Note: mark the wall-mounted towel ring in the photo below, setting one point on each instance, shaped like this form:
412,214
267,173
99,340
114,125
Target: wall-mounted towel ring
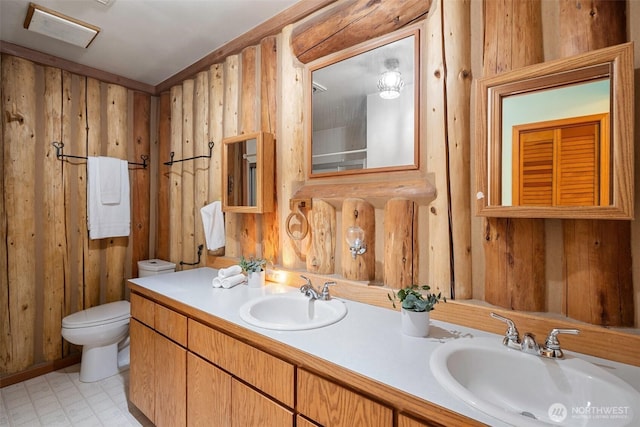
296,206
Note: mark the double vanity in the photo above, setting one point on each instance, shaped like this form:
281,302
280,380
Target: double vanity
273,356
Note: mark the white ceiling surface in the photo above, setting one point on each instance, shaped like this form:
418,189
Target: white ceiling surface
143,40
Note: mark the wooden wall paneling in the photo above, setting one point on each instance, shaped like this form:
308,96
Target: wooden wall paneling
90,263
216,115
116,146
188,171
598,273
345,24
163,226
52,216
268,114
514,248
19,114
290,141
140,180
359,213
457,56
230,128
175,191
322,241
250,235
202,165
434,116
400,242
5,333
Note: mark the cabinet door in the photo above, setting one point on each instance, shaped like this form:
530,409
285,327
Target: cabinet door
252,409
208,394
332,405
142,368
404,421
170,383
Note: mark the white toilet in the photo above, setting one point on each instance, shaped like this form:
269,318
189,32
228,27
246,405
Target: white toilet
103,331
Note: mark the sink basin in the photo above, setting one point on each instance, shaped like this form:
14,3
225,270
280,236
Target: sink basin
527,390
292,312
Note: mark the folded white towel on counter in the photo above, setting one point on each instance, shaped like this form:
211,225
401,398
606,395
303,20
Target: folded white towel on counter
213,223
228,282
228,272
105,218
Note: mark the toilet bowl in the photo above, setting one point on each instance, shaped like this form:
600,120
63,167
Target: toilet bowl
100,330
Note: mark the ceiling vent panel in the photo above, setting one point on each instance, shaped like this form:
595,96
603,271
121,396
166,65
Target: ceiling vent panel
58,26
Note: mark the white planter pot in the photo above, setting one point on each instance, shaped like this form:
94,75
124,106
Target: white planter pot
256,279
415,323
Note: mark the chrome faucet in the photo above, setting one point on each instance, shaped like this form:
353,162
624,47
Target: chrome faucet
308,289
528,344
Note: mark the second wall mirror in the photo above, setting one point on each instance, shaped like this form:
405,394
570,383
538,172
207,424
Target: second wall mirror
555,140
364,107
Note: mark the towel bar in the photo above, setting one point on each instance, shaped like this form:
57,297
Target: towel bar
61,156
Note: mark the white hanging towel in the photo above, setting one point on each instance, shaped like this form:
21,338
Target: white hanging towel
108,205
213,223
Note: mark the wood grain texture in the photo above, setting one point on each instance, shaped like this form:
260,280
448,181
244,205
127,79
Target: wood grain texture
346,24
216,109
252,409
322,242
163,227
400,242
598,273
117,137
175,189
268,123
170,324
271,375
142,368
19,136
170,383
140,181
358,213
208,394
201,166
53,235
187,183
230,127
512,277
333,405
457,55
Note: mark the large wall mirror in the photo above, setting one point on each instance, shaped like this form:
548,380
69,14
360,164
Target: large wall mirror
555,140
364,107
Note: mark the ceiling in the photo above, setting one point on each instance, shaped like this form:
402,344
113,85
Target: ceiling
144,40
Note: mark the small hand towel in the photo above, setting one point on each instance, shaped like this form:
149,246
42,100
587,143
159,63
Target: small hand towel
213,223
228,282
228,272
109,176
107,220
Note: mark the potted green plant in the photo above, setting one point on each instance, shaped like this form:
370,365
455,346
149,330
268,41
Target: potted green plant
254,268
416,302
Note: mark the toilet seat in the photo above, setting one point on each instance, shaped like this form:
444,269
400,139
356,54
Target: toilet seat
98,315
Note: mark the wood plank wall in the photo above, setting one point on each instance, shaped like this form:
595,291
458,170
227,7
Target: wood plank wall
50,268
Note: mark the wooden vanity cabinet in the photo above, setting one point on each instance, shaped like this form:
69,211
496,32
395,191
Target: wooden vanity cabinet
157,377
332,405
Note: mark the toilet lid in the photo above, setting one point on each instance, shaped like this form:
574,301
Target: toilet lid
100,314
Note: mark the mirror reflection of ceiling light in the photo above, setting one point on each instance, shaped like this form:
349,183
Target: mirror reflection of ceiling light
58,26
390,82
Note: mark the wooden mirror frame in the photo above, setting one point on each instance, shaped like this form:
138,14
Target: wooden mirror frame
265,173
618,63
409,31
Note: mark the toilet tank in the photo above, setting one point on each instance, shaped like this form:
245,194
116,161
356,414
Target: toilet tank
152,267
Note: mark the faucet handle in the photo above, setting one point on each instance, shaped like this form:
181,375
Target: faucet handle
512,334
325,290
552,342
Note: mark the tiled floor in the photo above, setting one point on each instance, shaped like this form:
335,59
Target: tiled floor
60,399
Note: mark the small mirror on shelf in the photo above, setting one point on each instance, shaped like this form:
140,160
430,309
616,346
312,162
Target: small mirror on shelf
248,173
555,140
364,107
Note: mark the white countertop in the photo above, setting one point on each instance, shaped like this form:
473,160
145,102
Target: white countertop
367,341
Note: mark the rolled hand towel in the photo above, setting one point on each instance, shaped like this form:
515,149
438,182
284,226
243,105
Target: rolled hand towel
228,272
217,282
230,282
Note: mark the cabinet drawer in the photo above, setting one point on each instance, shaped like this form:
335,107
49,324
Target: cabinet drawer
171,324
143,310
262,370
335,406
